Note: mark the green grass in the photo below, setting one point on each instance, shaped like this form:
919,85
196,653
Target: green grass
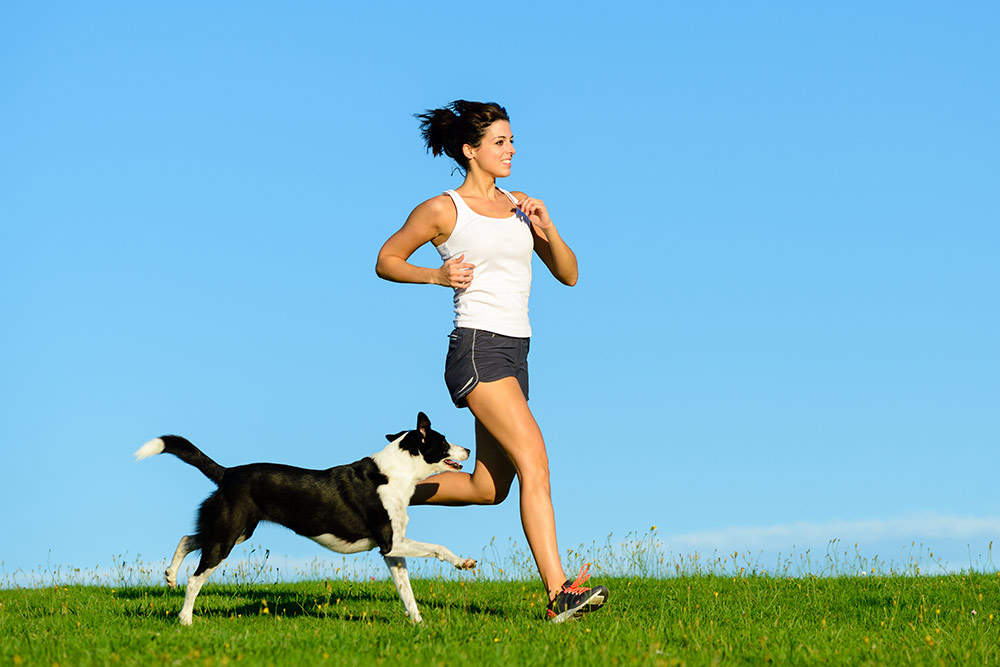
836,608
689,619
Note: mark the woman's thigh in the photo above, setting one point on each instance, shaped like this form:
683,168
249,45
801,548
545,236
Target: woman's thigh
500,407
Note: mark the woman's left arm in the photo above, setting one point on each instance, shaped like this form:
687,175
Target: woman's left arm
549,245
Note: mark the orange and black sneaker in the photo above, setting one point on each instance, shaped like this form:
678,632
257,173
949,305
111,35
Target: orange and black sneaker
574,599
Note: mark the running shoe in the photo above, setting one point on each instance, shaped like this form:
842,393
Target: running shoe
574,599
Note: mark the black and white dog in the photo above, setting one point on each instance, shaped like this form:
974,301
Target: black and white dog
349,508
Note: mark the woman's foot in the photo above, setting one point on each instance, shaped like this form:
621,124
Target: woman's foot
573,599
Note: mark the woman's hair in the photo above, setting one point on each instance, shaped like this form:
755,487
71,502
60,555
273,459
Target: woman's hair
461,122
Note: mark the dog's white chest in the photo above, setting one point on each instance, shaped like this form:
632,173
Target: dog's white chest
334,543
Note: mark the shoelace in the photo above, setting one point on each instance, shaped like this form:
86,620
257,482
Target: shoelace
582,577
574,588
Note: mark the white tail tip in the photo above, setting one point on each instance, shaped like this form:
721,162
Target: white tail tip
151,448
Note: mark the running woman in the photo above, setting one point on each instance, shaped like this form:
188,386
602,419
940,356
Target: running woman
486,236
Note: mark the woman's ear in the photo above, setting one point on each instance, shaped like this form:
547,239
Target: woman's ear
468,151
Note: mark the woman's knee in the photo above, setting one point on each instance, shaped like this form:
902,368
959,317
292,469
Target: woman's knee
492,494
499,495
534,477
533,466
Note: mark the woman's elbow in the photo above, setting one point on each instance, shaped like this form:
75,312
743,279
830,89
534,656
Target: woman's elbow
381,268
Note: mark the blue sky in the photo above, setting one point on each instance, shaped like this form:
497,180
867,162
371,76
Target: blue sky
785,330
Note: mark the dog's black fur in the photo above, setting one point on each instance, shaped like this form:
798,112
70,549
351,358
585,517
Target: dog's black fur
348,508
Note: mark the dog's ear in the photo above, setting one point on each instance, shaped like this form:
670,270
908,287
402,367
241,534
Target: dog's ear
390,437
423,423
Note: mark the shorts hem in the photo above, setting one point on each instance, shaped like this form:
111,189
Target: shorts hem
475,356
460,400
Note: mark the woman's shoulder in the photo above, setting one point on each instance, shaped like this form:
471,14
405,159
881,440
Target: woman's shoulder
437,213
436,207
441,203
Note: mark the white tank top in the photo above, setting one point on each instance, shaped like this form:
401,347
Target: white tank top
497,298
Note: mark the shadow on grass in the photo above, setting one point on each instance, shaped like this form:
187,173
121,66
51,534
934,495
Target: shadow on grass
369,603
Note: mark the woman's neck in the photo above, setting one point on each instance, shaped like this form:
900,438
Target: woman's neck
479,184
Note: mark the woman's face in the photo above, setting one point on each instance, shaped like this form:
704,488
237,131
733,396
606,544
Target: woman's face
494,153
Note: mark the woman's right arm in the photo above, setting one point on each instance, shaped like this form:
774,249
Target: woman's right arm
428,221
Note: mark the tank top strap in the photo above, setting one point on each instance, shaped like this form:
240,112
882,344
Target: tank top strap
460,204
509,195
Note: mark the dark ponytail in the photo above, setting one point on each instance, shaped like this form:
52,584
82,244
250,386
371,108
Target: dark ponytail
446,130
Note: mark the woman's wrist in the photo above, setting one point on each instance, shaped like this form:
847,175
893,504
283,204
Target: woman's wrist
398,270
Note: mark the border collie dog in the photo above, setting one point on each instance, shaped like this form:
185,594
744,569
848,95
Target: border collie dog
348,508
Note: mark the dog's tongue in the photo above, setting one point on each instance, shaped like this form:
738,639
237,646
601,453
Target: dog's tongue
453,464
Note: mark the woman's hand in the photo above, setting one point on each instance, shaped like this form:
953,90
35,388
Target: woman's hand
456,273
549,245
536,212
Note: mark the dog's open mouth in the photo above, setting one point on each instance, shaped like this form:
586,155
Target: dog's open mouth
455,465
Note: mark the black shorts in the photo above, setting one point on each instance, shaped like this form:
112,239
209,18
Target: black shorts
476,356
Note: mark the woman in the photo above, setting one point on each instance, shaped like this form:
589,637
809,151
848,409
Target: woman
485,236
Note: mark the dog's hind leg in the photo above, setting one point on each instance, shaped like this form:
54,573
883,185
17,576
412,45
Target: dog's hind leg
400,577
194,584
212,555
187,544
213,552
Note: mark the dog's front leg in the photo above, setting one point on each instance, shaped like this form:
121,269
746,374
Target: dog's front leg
405,547
400,577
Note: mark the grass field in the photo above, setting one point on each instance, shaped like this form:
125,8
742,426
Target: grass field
722,614
685,620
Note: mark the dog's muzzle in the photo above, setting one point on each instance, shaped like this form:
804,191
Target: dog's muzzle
459,454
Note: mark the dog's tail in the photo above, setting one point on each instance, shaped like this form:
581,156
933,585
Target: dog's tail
185,451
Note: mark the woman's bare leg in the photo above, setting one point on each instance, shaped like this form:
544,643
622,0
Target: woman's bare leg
501,408
488,484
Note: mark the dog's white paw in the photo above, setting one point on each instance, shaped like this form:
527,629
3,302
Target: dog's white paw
171,578
186,619
467,564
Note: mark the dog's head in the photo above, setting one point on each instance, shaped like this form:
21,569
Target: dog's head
427,445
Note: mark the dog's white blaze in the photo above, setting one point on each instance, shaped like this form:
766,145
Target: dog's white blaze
151,448
458,453
334,543
399,465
